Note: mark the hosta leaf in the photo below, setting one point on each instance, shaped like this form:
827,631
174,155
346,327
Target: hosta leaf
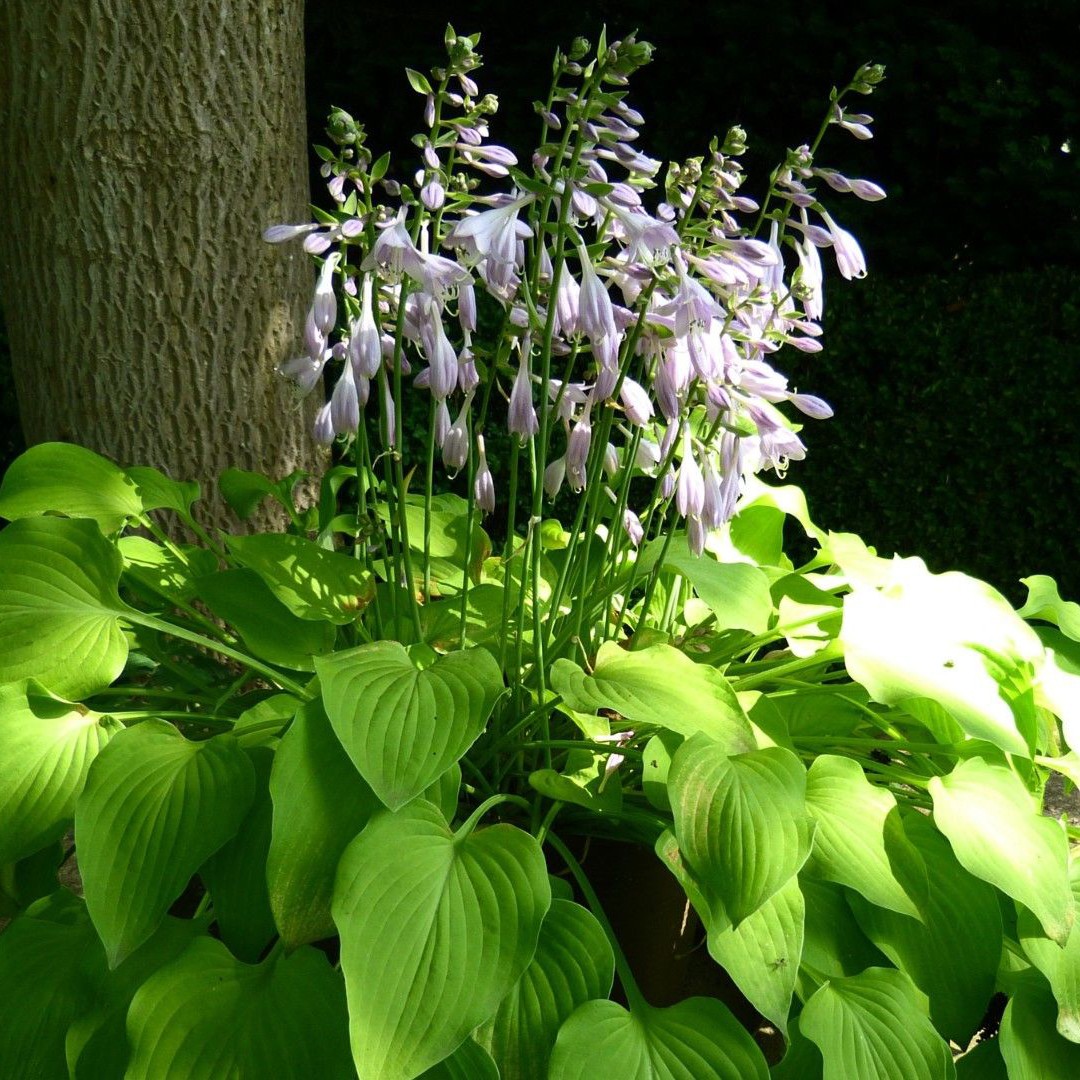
871,1026
953,955
310,581
763,952
859,836
834,945
929,635
740,821
269,629
983,1063
59,609
43,987
468,1062
207,1015
1045,602
999,835
736,592
70,480
657,685
1030,1044
320,803
573,964
436,928
401,726
236,873
160,569
46,747
801,1060
160,492
692,1040
154,808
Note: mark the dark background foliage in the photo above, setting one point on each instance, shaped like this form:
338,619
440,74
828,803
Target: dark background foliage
953,367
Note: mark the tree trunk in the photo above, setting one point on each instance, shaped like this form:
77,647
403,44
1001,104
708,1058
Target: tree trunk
145,147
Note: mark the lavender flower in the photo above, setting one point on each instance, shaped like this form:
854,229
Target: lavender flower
484,485
522,419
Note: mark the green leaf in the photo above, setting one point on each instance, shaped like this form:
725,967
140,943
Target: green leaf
584,781
436,928
658,685
310,581
207,1016
236,873
573,964
859,835
655,767
948,637
468,1062
695,1039
46,747
740,821
269,629
320,803
999,835
59,608
43,986
244,490
872,1026
736,592
1044,602
403,727
953,955
762,954
160,492
418,82
808,616
834,944
1030,1044
70,480
154,809
984,1062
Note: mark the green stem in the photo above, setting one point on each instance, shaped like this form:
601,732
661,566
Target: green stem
488,804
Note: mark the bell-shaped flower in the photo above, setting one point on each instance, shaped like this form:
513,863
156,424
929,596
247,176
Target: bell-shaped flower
365,342
692,306
690,487
345,403
567,302
577,450
455,446
492,234
611,460
323,427
596,316
554,475
642,236
324,304
484,483
522,420
849,256
393,251
467,307
433,194
636,403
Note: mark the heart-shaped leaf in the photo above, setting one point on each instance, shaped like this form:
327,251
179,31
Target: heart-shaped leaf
573,964
310,581
694,1039
71,480
436,928
953,955
46,747
320,803
763,952
269,629
658,685
236,873
155,807
989,817
401,726
872,1025
834,945
929,635
859,836
207,1015
740,820
1030,1043
59,609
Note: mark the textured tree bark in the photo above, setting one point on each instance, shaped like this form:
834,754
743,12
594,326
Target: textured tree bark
145,147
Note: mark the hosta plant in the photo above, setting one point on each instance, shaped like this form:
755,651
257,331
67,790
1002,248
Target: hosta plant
336,794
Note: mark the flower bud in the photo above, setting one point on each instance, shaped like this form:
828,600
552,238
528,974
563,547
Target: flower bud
522,419
554,475
636,403
484,485
690,492
611,460
577,451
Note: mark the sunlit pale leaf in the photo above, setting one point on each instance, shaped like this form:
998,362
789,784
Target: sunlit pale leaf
999,835
46,747
403,727
436,928
154,808
70,480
